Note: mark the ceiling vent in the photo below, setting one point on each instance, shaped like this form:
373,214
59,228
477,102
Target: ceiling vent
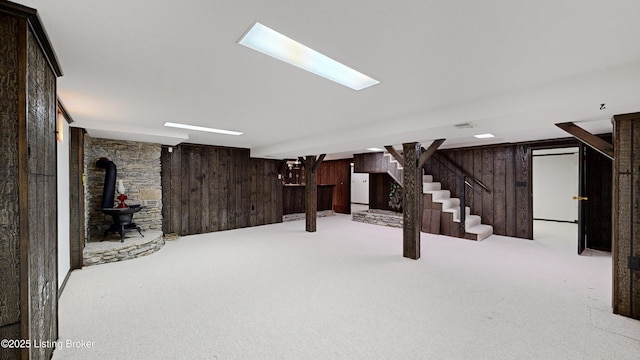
467,125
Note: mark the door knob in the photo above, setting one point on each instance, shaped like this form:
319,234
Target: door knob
580,198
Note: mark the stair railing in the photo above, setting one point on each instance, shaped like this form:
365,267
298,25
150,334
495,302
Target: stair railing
459,169
460,173
463,207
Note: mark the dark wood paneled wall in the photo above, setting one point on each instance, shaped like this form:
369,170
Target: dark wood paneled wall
506,171
338,173
294,199
77,233
28,194
598,184
379,188
210,188
9,201
42,183
377,163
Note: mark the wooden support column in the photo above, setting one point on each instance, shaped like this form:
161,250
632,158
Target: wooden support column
626,215
412,201
311,192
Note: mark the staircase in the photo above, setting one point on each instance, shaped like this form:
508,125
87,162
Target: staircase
441,212
438,203
394,169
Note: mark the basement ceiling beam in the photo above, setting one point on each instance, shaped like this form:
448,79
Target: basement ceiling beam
396,155
429,152
588,138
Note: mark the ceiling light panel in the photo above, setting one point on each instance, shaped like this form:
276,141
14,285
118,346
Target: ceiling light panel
484,136
270,42
201,128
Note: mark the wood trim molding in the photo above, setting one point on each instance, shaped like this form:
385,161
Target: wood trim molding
64,111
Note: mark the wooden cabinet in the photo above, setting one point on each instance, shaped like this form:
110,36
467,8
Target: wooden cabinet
28,193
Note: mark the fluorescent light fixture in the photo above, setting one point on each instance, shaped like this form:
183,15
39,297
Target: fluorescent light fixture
484,136
201,128
270,42
375,149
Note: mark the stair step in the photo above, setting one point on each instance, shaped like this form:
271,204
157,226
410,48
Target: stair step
438,194
456,212
429,186
481,231
469,221
427,178
448,203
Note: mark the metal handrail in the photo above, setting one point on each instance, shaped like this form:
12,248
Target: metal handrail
458,173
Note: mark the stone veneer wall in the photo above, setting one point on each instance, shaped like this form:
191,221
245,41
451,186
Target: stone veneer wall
138,166
378,217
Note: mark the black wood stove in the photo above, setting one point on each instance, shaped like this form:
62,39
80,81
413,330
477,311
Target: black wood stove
122,216
122,221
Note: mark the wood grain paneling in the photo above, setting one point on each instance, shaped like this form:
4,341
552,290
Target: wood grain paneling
9,156
411,201
379,189
77,233
598,183
42,190
210,188
626,215
338,173
28,191
505,170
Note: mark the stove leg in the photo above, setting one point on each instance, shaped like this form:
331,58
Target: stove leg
121,233
139,231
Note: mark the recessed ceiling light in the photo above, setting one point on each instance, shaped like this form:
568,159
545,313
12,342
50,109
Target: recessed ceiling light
270,42
374,149
484,136
201,128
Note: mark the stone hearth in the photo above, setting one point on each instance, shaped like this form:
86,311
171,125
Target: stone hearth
112,249
378,217
302,216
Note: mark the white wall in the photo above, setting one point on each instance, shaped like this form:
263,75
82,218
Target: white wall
555,183
64,257
359,188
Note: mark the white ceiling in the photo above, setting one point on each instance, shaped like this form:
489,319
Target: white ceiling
512,68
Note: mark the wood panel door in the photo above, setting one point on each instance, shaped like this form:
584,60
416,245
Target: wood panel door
595,208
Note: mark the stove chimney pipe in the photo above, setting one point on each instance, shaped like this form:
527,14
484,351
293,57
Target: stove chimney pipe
108,192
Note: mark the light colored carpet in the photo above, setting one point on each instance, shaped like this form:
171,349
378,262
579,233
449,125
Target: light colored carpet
345,292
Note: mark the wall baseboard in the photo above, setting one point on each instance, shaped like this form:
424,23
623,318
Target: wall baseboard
560,221
64,283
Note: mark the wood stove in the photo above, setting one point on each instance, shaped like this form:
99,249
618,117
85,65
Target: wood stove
122,221
122,216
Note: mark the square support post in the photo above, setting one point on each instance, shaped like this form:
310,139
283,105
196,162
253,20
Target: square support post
626,215
311,192
412,201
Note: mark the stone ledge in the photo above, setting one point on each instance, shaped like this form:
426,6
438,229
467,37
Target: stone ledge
302,216
113,250
378,217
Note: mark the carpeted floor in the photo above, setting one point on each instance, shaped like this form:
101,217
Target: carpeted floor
345,292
